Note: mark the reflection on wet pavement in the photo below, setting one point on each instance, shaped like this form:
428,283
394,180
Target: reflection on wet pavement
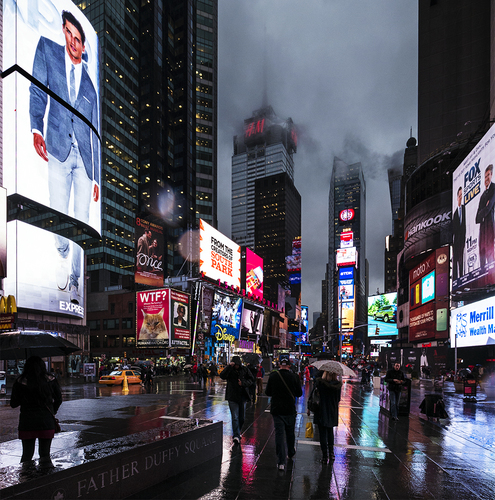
375,458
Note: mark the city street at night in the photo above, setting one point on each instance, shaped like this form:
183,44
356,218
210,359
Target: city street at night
374,456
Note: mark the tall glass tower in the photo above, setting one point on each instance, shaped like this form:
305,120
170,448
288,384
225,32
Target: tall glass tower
347,213
266,148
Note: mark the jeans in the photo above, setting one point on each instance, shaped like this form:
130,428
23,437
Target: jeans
284,431
394,403
237,414
64,177
326,439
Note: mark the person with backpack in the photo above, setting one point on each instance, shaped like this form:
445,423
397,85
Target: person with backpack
284,387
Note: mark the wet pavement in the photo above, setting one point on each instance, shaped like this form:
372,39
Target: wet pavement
375,457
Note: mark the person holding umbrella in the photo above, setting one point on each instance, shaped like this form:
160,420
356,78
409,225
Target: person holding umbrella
39,396
327,416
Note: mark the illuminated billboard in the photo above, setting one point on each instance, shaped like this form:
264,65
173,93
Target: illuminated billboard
38,276
473,325
254,274
219,257
153,318
346,256
429,297
51,109
346,239
226,317
382,314
293,261
252,321
473,212
149,253
180,330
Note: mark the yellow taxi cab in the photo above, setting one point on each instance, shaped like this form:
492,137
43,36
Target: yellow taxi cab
117,377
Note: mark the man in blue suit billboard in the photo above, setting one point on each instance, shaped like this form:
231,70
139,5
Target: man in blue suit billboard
69,145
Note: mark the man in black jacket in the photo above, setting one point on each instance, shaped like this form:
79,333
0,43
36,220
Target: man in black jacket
238,379
284,387
395,380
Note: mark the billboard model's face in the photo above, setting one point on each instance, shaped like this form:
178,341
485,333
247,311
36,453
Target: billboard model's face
73,42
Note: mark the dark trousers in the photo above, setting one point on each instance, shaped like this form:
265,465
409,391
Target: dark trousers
28,449
326,440
237,413
285,437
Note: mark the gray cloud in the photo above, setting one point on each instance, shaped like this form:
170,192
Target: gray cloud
345,71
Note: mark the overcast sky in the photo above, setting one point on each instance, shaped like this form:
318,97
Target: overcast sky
345,71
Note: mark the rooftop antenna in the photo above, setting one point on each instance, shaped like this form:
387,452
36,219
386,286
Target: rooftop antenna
264,102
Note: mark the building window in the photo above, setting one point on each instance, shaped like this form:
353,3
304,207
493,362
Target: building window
94,324
94,341
128,341
130,307
111,324
127,323
112,308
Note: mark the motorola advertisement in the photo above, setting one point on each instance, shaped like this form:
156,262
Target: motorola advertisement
51,109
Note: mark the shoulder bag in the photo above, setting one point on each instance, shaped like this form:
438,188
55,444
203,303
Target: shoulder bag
285,383
314,400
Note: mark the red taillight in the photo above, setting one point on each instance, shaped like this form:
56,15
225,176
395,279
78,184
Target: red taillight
112,378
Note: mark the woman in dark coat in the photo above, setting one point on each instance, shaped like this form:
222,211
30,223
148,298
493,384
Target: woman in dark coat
328,415
39,396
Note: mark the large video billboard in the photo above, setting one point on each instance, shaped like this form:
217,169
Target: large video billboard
254,274
51,109
252,321
219,257
429,297
149,253
38,275
474,324
382,314
153,318
226,317
473,215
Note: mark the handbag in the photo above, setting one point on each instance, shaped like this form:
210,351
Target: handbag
309,430
57,422
314,400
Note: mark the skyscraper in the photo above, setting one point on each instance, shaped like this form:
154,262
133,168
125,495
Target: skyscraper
347,214
266,148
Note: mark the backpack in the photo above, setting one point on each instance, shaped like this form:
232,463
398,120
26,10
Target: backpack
314,400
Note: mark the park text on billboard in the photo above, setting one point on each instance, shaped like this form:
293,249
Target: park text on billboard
219,257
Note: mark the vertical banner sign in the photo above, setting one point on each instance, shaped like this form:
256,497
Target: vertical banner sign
3,233
153,318
473,212
149,253
181,324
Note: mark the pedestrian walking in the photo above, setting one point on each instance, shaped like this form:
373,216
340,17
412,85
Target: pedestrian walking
213,373
395,380
39,396
327,415
259,380
239,379
204,374
284,387
252,389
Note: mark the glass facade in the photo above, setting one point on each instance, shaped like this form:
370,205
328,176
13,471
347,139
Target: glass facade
254,158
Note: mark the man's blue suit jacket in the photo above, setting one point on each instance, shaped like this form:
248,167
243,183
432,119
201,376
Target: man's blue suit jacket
49,69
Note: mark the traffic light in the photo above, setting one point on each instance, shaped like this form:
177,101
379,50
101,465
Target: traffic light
377,331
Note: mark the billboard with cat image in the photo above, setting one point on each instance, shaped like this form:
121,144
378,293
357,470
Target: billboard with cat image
153,318
181,324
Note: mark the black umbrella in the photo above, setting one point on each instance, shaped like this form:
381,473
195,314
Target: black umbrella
252,358
22,345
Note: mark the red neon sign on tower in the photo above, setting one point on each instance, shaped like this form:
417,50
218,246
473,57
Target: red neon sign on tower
254,128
